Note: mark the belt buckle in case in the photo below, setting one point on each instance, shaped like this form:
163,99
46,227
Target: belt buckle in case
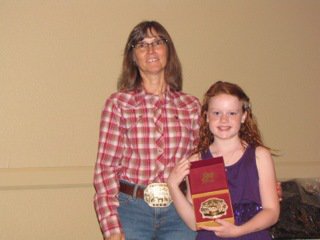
157,195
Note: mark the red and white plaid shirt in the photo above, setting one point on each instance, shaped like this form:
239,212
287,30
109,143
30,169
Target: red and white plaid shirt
142,136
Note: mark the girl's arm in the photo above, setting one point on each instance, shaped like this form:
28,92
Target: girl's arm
269,199
183,204
268,193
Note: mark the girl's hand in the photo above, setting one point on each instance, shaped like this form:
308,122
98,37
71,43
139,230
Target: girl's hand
225,229
179,172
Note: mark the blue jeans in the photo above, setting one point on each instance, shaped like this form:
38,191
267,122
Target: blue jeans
141,222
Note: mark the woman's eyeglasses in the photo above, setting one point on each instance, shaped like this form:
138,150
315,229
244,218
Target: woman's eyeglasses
143,46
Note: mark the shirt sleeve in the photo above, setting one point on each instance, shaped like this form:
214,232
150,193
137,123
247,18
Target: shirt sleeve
107,165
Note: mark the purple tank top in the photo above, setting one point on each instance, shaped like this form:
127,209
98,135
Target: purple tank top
243,182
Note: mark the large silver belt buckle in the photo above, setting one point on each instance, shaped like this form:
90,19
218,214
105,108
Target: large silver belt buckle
157,195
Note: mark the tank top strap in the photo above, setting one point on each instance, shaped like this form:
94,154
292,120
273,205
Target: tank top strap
206,154
249,157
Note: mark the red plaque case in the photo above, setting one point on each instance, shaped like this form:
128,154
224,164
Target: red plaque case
209,191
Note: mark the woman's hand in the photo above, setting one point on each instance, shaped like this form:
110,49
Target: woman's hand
279,190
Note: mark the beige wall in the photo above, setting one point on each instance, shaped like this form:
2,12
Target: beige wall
59,60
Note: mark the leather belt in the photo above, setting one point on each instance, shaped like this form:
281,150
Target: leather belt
134,190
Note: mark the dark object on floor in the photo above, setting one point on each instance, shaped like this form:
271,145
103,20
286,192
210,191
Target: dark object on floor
300,210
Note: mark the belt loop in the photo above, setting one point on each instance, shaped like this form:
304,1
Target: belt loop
135,189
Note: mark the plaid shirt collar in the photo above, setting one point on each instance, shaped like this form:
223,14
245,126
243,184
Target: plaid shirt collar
171,97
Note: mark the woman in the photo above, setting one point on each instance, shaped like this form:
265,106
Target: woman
146,128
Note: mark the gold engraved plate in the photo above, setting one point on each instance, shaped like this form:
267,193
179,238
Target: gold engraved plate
213,208
157,195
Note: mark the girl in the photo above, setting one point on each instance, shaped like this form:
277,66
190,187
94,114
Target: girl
229,129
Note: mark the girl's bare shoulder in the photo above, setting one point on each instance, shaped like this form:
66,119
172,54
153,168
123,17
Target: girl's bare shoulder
262,152
263,156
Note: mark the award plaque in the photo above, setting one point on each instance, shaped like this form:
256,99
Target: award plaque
209,192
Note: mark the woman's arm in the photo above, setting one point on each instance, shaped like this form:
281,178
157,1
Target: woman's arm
105,173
